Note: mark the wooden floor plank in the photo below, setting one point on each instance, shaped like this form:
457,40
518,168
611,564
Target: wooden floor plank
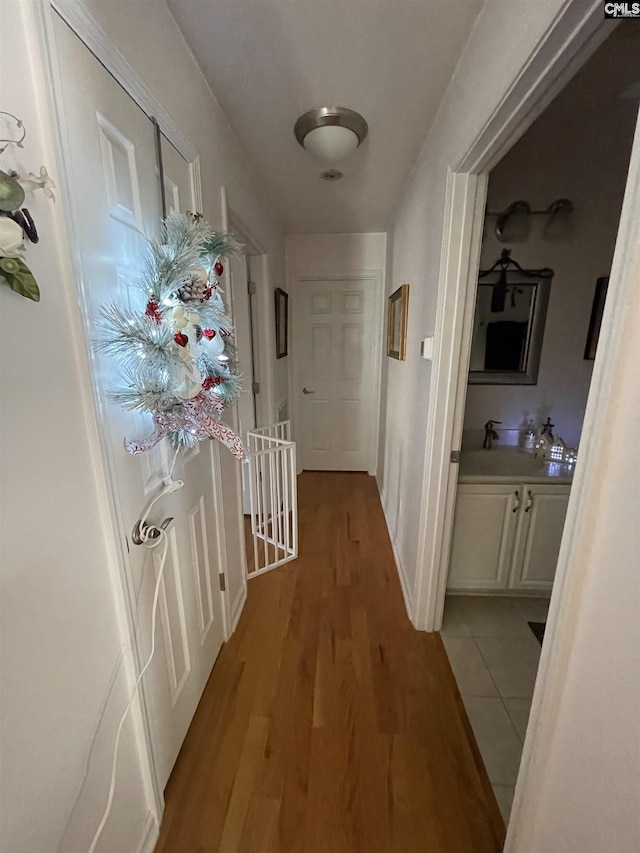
329,725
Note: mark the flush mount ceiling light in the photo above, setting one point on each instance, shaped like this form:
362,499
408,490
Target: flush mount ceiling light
331,133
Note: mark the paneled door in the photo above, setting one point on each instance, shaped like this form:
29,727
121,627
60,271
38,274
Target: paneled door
116,205
335,327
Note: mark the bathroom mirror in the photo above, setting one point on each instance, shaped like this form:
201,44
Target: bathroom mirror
508,327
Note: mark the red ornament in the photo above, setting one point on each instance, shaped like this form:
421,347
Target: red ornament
180,339
218,268
153,310
207,293
208,383
209,334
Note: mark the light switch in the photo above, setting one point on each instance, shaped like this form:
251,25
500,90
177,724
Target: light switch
426,348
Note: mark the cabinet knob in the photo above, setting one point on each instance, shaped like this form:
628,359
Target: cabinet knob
517,497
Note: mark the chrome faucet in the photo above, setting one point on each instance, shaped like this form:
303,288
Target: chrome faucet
490,435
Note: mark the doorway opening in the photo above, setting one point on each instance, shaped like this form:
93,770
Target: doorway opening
553,203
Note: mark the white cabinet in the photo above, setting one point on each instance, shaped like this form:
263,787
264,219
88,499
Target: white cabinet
507,536
538,537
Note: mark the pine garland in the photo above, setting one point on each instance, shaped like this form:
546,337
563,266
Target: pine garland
176,360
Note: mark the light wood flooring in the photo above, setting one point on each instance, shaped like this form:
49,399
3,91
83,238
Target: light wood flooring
329,725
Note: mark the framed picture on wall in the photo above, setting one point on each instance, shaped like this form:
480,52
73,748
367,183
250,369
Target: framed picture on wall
397,316
597,309
282,323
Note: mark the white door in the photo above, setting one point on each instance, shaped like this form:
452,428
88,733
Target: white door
335,345
483,535
116,205
539,536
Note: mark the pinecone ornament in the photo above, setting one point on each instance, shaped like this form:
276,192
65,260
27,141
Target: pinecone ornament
195,290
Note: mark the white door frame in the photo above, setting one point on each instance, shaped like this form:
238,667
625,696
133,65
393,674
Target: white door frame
88,30
298,280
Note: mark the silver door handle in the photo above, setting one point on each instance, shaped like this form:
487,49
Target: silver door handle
307,391
517,497
530,501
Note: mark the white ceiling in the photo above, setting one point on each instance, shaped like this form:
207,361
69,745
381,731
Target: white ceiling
268,61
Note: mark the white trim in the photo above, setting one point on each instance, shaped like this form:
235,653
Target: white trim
404,583
569,41
462,238
295,279
85,26
238,606
149,836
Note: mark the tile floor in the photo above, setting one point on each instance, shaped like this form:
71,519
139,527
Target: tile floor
494,657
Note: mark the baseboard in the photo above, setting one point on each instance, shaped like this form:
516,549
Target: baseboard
238,607
150,834
404,585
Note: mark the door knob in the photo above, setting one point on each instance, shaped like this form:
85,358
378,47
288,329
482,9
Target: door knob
306,390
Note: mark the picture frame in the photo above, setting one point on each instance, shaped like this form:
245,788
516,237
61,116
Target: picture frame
595,321
282,322
397,319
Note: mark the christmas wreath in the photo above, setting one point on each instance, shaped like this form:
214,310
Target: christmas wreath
175,358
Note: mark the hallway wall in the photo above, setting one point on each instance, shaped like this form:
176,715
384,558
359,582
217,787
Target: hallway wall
503,38
62,619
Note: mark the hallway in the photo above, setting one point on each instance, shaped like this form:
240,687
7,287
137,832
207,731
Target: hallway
329,723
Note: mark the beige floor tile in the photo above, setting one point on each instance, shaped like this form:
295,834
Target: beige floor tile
504,796
453,623
519,710
513,664
493,616
499,745
533,609
470,671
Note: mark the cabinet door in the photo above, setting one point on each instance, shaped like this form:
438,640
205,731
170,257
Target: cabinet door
483,534
541,522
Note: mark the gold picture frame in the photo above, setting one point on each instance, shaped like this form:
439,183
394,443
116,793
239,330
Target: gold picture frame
397,317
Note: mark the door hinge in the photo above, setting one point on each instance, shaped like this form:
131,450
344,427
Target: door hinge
223,582
255,387
455,457
251,287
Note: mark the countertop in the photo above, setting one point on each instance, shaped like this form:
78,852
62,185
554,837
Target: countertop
510,465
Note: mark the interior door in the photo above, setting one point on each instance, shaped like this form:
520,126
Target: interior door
116,205
335,325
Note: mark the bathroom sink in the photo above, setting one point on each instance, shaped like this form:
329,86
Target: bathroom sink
509,464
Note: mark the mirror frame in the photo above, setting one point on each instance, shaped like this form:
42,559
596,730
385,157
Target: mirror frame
542,278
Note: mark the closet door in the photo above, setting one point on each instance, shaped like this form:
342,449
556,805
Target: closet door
116,206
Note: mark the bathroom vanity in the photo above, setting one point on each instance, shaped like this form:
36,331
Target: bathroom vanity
509,516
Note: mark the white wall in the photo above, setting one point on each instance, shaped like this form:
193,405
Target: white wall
60,607
332,254
505,34
577,149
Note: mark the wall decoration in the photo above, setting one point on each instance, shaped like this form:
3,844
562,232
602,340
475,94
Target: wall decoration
176,358
397,317
597,310
282,323
16,223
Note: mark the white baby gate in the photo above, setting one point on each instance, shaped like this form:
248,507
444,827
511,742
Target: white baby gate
272,473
